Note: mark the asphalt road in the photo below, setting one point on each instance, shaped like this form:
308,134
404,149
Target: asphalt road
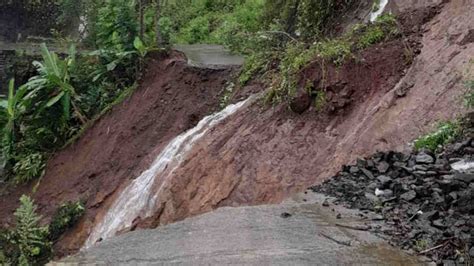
260,235
209,56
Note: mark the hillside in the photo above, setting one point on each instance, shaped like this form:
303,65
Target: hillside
194,138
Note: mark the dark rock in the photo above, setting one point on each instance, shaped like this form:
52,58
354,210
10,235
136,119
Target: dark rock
431,215
420,173
378,217
439,224
382,167
387,193
354,170
408,196
448,263
361,163
285,215
467,178
424,158
301,101
459,223
371,197
370,164
367,173
458,147
384,180
338,216
420,167
466,201
454,160
436,198
417,198
453,195
372,186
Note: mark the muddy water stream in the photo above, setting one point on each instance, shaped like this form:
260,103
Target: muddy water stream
140,197
376,13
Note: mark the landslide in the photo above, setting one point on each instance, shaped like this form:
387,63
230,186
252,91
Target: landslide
171,98
381,100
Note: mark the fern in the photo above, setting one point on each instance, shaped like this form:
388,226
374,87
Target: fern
27,243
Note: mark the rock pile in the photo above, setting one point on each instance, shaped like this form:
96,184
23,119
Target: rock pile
427,199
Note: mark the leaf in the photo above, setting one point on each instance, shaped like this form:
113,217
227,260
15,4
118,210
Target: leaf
55,99
138,44
112,65
3,103
66,101
50,60
11,97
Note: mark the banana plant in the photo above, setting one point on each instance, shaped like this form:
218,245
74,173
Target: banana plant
11,112
54,78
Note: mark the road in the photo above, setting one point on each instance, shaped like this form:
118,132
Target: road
310,235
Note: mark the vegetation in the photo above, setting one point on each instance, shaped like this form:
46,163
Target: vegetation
330,51
29,243
65,217
69,90
445,133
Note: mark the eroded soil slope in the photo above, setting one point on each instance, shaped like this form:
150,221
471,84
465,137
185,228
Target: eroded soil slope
378,101
172,98
263,154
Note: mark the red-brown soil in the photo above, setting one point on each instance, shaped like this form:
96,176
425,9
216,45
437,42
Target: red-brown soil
171,99
375,102
263,154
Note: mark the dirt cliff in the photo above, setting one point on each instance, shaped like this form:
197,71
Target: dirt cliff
172,98
262,154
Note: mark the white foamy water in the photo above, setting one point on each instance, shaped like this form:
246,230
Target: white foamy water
463,166
140,197
375,14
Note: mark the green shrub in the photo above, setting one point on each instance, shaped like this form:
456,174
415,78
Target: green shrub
445,133
336,51
370,37
27,242
197,31
28,168
65,217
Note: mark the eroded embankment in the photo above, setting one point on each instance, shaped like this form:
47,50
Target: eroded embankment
263,154
378,101
172,98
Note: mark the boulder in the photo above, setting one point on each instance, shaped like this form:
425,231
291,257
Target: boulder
300,102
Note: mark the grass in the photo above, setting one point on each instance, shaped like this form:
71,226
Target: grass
336,51
445,133
421,244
